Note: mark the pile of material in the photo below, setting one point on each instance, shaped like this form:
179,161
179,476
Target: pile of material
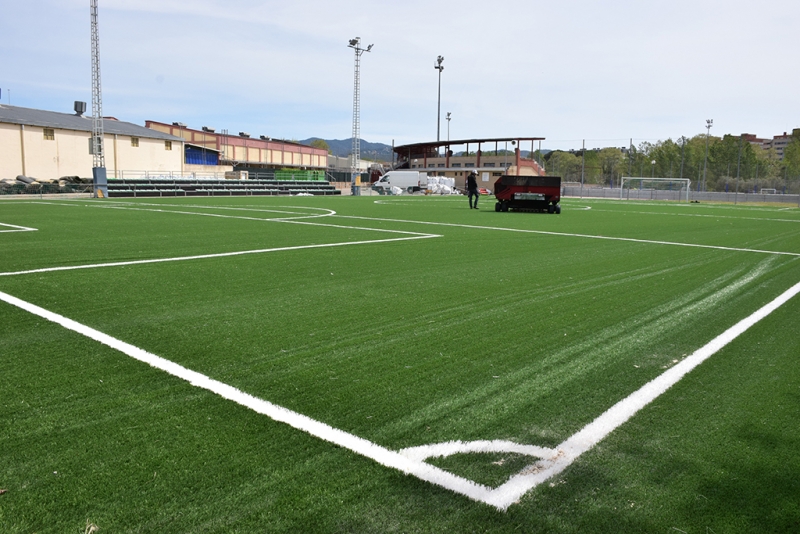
439,185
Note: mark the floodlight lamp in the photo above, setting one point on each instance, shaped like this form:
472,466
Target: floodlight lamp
369,47
354,42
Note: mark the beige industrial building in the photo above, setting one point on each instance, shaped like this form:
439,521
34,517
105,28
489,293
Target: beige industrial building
207,146
48,145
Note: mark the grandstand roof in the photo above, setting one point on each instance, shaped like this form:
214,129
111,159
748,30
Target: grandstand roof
428,145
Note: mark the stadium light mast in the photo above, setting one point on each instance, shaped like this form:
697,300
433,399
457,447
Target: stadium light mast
709,124
448,126
99,179
355,157
440,68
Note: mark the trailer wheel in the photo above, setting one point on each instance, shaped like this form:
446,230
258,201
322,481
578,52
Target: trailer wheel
551,209
497,206
505,206
558,209
410,189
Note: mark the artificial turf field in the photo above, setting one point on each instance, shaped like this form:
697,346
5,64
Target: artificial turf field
373,327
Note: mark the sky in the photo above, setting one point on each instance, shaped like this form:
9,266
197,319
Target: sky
566,70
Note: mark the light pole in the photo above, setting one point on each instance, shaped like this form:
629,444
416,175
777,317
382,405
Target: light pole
709,124
99,177
355,44
653,174
440,68
448,126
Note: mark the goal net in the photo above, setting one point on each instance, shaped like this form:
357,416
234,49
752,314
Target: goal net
639,187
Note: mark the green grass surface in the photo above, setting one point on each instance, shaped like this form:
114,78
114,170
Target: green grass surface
487,332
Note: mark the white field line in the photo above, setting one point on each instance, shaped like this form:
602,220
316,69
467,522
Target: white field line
680,205
383,456
155,210
408,461
706,215
135,206
413,236
16,228
586,236
289,220
208,256
586,438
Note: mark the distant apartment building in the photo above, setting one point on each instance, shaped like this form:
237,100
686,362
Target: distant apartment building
778,142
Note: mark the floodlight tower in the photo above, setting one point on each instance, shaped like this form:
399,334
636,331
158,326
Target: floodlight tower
355,157
98,153
440,68
709,124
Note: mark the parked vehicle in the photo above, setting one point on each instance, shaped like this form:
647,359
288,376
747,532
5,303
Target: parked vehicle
409,181
528,193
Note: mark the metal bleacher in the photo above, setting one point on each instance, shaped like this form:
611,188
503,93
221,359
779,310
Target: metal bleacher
160,187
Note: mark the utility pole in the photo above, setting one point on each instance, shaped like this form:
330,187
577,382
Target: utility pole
355,157
583,164
440,68
709,124
738,169
99,178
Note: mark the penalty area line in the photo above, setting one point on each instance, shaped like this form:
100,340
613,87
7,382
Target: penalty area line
209,256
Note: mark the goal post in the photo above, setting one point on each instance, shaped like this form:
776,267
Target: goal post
646,188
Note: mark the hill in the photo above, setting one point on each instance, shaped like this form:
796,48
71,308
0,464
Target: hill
343,147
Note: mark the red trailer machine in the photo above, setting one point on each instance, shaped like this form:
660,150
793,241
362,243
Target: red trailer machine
528,193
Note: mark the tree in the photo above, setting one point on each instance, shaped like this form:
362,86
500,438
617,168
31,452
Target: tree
564,164
791,154
321,144
613,163
667,155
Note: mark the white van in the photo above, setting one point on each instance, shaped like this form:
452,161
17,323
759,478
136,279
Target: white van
409,181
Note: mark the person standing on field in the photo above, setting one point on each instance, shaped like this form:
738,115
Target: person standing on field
472,189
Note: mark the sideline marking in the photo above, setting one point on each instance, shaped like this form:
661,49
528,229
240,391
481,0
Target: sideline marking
296,420
406,461
586,438
586,236
17,228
